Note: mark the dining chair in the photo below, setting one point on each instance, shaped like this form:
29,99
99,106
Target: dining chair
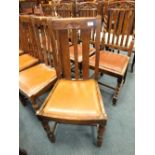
26,44
38,79
48,10
73,100
87,9
64,10
118,27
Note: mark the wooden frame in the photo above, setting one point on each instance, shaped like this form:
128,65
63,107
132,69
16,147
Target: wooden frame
118,27
43,53
58,30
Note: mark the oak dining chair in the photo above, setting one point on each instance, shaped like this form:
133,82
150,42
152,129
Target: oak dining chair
74,100
85,9
118,27
38,79
64,10
26,44
48,10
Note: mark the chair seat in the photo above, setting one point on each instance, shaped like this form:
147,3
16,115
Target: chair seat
74,100
71,49
111,62
26,61
34,79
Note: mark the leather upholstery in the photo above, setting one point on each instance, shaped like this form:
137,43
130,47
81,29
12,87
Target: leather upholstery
74,100
111,62
71,49
34,79
26,61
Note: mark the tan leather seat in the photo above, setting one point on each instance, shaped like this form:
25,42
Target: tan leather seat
71,49
26,61
74,100
111,62
34,79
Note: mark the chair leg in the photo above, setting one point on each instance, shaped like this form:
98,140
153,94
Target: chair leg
125,75
117,91
80,68
50,134
133,63
22,99
101,130
34,104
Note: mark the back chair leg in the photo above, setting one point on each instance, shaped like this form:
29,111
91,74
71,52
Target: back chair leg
34,104
133,63
125,75
80,68
22,99
117,91
50,133
101,130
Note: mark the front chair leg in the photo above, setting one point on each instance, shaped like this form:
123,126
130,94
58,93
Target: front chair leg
101,130
50,134
117,90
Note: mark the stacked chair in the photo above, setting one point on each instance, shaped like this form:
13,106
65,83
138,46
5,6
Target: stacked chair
27,44
37,79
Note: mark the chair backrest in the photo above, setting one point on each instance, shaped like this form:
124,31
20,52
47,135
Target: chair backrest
58,30
64,10
26,7
26,36
48,10
42,39
119,24
87,9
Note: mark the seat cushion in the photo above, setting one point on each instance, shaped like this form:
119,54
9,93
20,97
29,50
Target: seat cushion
71,49
111,62
26,61
34,79
74,100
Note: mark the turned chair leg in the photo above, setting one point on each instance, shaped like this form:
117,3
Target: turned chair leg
50,133
117,91
34,104
133,63
101,130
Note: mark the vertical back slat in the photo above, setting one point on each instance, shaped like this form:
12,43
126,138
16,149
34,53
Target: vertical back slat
110,14
97,47
124,25
115,19
85,35
75,41
64,50
120,24
130,26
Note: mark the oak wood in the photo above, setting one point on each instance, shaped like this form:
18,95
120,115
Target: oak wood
58,34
